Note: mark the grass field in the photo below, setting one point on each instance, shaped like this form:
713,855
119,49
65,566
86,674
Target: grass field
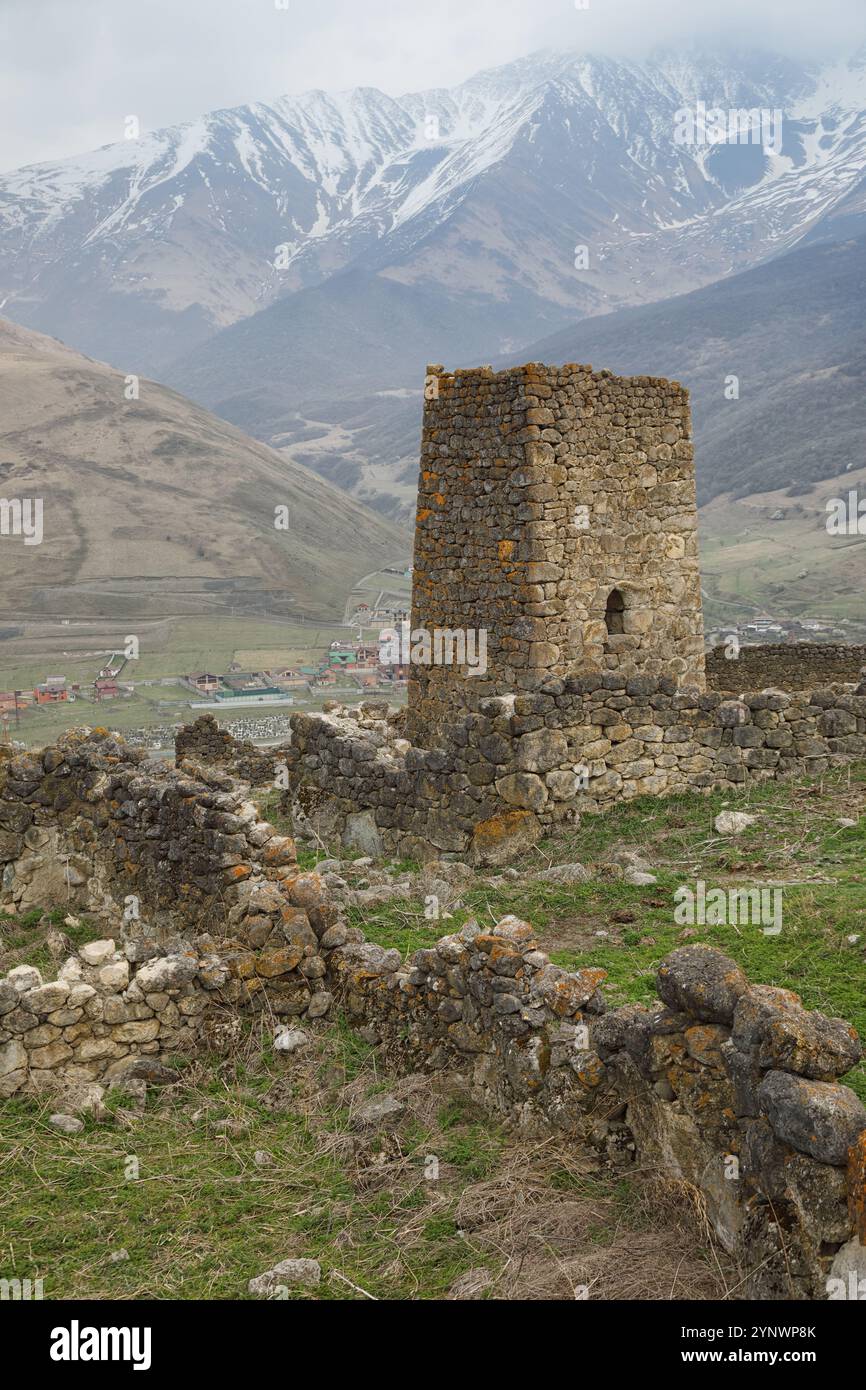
771,552
247,1163
259,1158
796,845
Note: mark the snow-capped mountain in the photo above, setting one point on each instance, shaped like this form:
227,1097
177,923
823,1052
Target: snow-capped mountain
142,250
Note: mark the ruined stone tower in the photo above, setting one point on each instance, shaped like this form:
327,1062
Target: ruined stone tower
556,513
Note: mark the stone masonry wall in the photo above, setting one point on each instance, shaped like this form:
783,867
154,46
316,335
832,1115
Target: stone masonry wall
494,781
794,666
204,741
204,912
729,1087
542,490
181,840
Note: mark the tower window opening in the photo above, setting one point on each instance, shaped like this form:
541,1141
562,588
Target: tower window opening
613,615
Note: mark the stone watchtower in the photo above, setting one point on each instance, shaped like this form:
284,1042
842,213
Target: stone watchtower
556,513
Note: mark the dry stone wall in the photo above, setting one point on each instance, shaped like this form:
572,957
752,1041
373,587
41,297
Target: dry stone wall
731,1088
102,821
728,1087
494,781
794,666
205,913
204,741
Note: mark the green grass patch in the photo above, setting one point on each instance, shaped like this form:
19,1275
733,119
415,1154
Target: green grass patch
796,845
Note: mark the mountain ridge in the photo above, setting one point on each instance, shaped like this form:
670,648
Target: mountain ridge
154,506
140,251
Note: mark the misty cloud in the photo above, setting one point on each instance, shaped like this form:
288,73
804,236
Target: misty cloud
73,73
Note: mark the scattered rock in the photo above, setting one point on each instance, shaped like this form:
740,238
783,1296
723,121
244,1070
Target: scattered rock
638,878
288,1274
629,859
381,1110
68,1124
86,1098
733,822
147,1069
564,873
292,1040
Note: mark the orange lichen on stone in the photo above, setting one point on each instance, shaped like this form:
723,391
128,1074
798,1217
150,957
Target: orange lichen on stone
590,1072
500,827
243,967
279,962
279,852
506,550
237,873
569,996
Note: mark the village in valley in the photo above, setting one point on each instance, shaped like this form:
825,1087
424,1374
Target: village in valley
249,673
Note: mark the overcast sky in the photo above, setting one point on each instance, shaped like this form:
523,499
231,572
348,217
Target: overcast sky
72,70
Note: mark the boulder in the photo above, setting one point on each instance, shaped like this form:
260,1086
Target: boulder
701,981
772,1024
815,1117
